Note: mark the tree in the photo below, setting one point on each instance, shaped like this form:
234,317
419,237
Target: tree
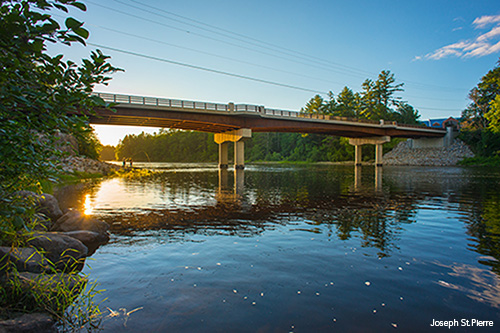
376,101
347,103
40,95
378,97
482,101
406,114
493,115
316,105
108,153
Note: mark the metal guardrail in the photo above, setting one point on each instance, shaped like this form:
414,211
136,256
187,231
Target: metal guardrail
183,104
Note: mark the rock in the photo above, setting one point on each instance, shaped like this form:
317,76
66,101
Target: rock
403,154
74,220
29,323
25,259
83,164
65,252
92,240
45,203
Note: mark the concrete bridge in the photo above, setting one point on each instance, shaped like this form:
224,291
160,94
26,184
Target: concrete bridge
236,122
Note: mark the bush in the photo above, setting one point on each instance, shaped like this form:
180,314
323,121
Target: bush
484,143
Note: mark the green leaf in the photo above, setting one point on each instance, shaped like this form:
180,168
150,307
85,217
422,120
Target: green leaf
82,32
72,24
79,5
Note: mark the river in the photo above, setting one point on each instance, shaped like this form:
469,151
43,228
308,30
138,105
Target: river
296,248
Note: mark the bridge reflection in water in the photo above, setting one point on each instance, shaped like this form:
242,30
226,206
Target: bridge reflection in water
233,190
340,200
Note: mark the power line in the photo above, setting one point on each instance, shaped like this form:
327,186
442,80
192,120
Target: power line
206,69
276,49
227,34
210,38
210,54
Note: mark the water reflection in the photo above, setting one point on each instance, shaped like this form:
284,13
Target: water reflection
280,245
358,183
248,202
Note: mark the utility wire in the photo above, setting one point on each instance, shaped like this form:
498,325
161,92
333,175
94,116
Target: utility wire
280,49
206,69
219,40
211,54
226,33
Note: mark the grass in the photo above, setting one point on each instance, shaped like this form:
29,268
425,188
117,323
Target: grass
68,298
131,173
493,161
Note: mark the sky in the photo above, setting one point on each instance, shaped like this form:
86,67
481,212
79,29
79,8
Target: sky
438,49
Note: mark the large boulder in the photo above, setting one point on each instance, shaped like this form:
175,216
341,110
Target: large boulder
65,252
92,240
74,220
45,203
25,259
28,323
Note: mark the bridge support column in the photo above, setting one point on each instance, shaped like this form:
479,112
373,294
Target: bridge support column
378,141
238,137
378,154
239,155
223,161
357,155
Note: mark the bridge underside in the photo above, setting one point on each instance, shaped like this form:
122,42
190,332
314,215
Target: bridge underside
219,122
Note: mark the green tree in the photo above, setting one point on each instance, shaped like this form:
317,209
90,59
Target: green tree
107,153
482,101
40,95
493,115
377,97
347,103
316,105
406,114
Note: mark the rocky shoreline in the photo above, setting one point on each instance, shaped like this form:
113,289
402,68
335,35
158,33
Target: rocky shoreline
403,154
72,164
55,252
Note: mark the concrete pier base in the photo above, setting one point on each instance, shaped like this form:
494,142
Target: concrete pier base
238,137
378,141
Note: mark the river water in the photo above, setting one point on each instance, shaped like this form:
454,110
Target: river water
296,248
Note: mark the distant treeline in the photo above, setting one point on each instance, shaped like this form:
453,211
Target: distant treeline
188,146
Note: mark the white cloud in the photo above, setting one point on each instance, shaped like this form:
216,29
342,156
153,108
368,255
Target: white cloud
483,21
482,45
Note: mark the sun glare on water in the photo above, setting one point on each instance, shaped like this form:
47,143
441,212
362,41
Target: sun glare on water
87,205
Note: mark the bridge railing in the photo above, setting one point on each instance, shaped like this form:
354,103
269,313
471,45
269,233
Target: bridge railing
152,101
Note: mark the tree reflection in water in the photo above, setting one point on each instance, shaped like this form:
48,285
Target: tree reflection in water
246,203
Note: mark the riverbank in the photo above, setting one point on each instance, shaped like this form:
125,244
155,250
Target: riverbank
403,154
40,270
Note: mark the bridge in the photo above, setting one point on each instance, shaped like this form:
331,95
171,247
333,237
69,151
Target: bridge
236,122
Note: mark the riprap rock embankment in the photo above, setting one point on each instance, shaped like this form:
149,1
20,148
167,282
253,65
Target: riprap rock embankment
403,154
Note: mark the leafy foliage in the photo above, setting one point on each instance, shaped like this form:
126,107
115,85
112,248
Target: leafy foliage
377,101
483,112
483,143
40,95
184,146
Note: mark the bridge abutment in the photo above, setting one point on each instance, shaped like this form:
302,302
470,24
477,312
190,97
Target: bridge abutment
238,137
378,141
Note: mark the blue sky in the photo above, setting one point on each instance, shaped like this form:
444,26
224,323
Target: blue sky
438,49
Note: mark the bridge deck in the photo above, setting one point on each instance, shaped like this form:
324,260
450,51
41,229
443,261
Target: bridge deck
217,118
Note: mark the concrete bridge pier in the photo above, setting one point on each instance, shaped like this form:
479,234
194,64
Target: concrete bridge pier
378,141
238,137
